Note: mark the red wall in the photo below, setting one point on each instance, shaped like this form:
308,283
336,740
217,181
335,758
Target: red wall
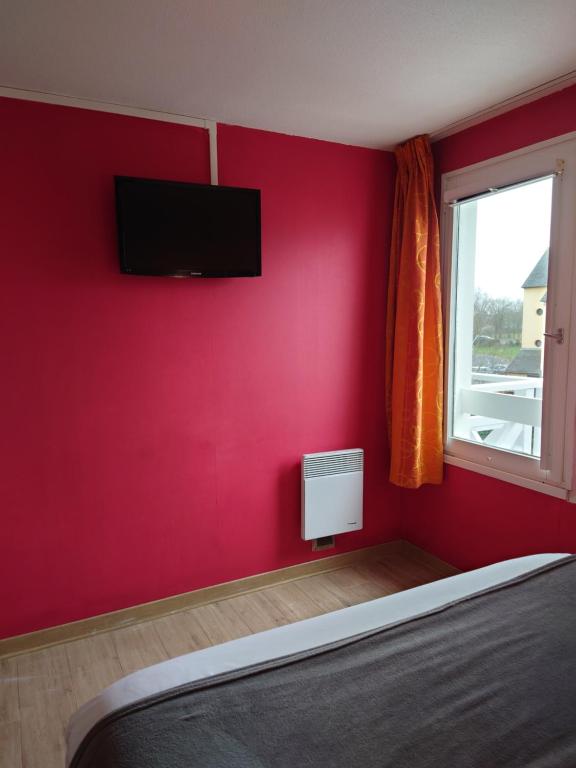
472,520
152,428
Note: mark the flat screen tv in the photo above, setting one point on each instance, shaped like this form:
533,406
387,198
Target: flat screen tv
187,230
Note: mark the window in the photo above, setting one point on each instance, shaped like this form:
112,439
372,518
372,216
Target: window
509,245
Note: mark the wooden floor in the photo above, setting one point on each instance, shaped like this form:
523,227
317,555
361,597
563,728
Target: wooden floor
39,691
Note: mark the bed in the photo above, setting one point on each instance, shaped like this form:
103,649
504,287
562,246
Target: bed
474,671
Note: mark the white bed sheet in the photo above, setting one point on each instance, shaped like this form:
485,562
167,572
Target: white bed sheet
292,638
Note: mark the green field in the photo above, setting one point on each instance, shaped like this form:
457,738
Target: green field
496,350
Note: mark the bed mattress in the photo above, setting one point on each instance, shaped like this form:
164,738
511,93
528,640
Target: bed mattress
329,647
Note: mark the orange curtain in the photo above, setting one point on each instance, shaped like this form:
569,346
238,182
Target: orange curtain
414,366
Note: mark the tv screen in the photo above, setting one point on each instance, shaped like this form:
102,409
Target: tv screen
187,230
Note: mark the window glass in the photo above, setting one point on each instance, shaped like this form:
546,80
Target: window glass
502,247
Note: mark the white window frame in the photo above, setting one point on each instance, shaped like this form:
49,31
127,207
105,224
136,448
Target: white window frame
555,157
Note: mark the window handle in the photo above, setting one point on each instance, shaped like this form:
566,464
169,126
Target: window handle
558,335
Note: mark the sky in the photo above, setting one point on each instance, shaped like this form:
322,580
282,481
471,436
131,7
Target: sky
512,233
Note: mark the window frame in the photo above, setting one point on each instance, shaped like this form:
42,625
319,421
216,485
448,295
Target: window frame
556,156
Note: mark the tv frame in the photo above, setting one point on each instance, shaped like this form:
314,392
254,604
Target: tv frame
182,273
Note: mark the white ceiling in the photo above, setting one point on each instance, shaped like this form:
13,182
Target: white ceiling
366,72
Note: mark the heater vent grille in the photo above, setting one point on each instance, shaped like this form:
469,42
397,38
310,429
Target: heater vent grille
333,463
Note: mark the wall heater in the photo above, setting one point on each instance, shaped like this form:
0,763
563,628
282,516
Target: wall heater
332,486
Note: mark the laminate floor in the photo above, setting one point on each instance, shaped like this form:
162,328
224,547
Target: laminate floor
39,691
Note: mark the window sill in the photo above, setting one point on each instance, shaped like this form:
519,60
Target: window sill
524,482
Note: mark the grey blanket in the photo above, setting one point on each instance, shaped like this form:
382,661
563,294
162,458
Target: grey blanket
487,681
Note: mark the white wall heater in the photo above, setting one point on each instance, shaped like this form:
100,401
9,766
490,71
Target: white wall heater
332,485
